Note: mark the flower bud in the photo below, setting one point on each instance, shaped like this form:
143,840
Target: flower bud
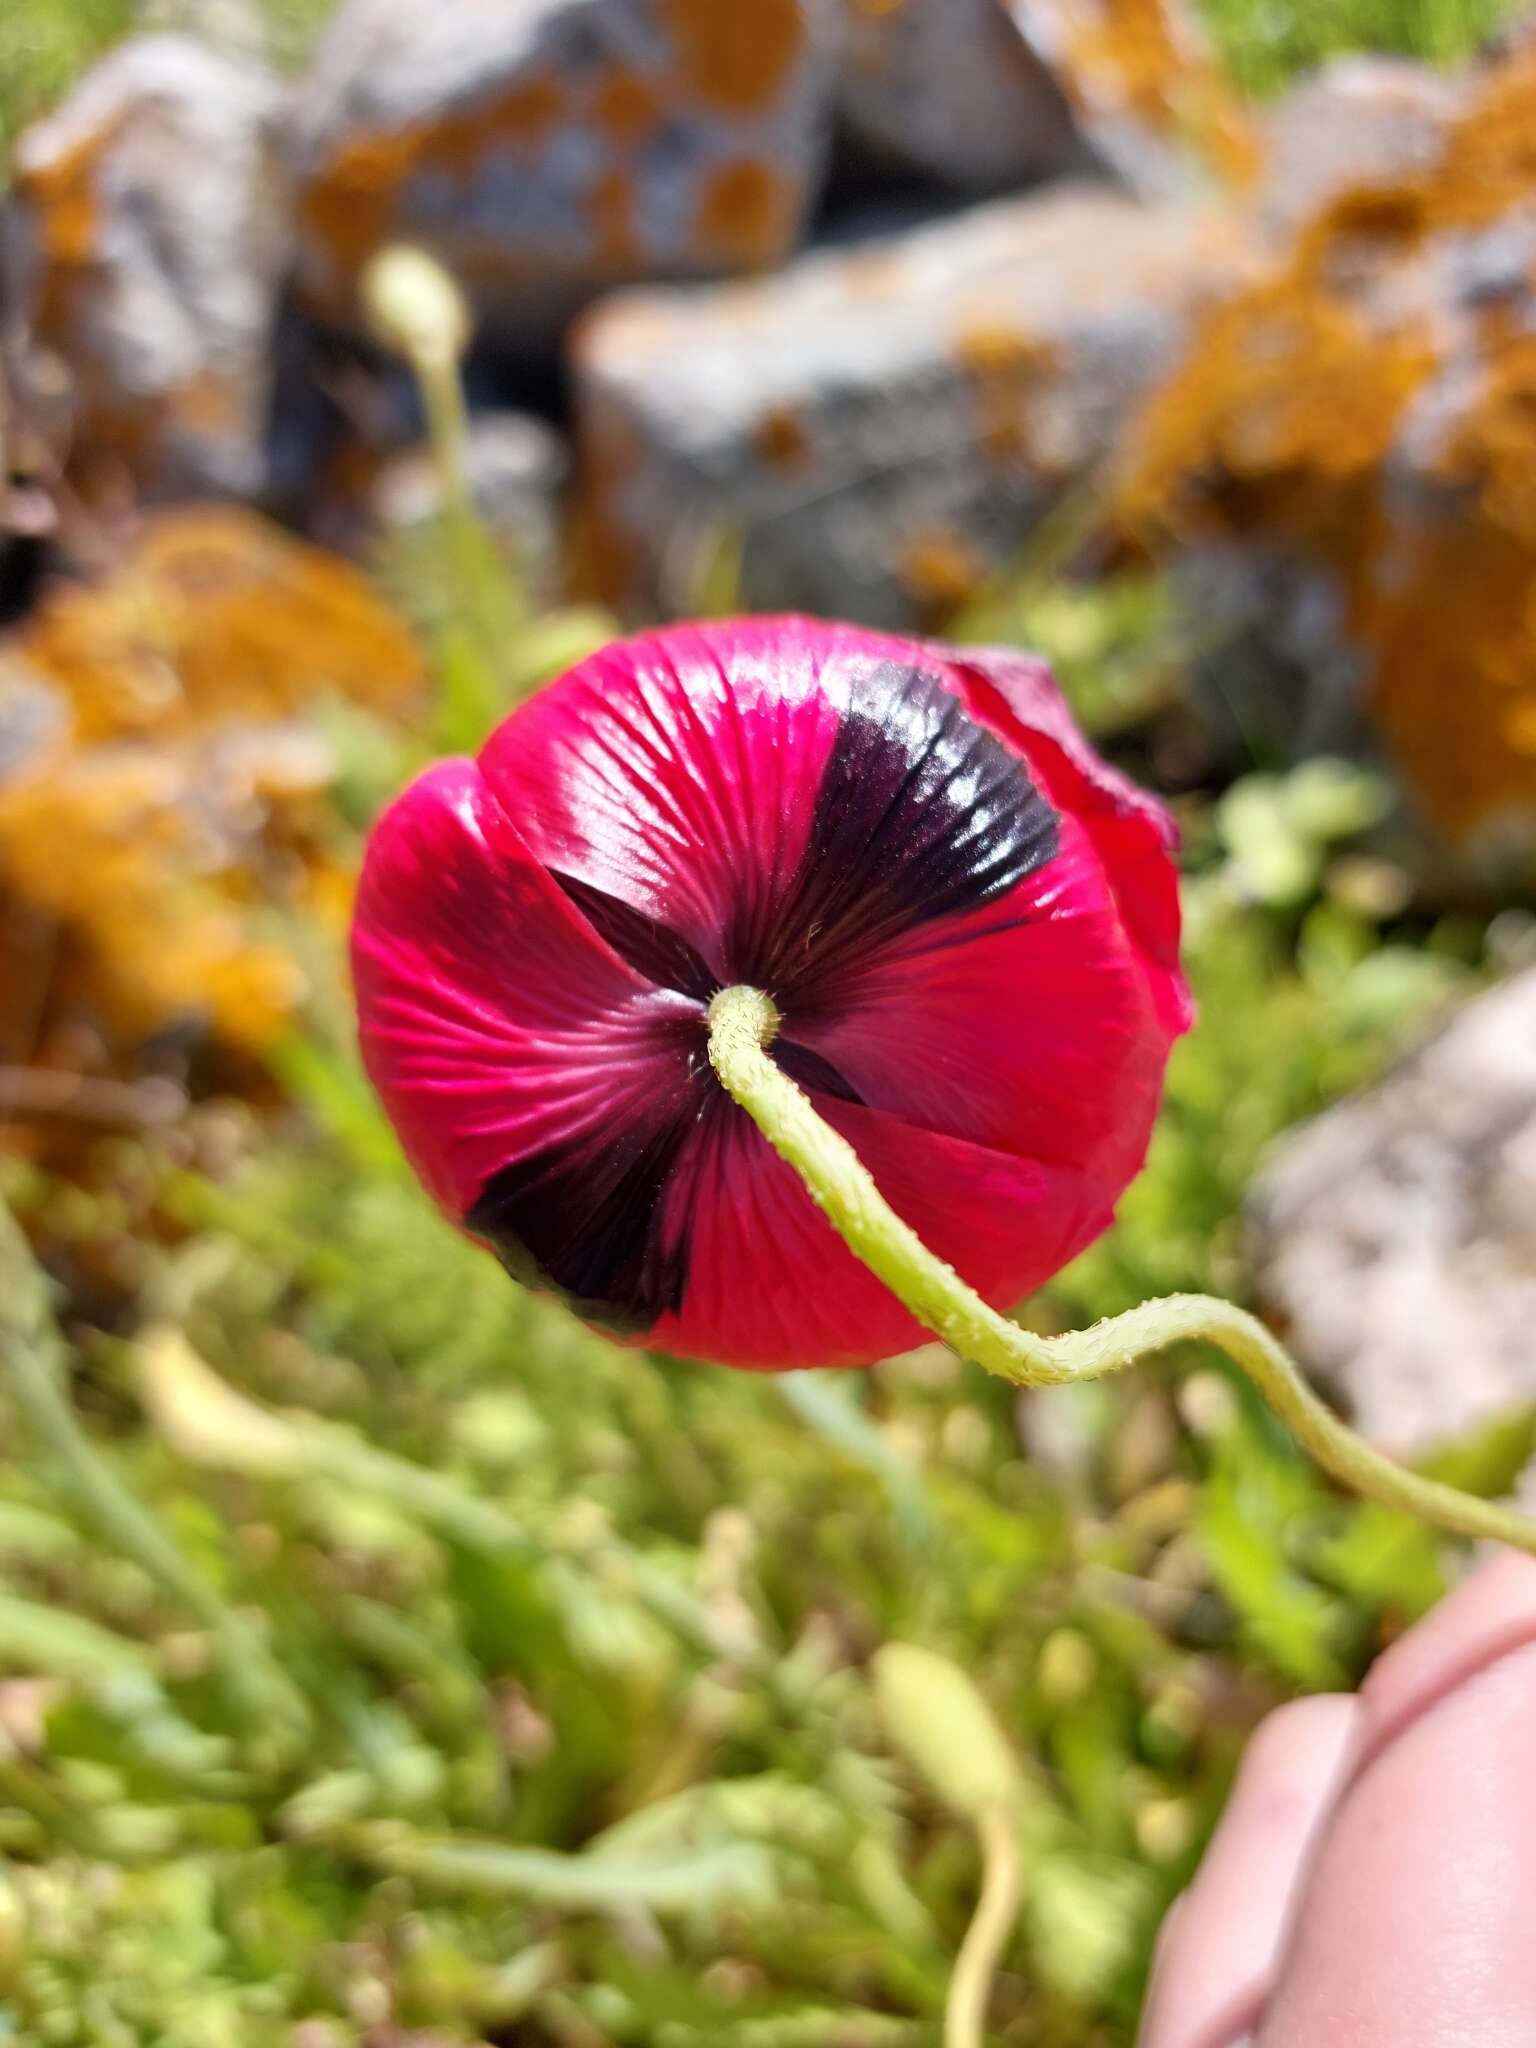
945,1729
414,306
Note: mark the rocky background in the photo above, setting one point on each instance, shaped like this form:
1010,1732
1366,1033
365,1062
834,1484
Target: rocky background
1179,347
869,298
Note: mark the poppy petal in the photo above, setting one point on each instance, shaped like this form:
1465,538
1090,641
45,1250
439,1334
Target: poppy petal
1133,835
506,1039
770,1284
1028,1026
675,773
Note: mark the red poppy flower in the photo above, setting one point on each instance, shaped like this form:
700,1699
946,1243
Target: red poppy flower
969,925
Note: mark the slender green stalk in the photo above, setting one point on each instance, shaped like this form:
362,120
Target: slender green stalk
970,1988
469,651
743,1022
32,1364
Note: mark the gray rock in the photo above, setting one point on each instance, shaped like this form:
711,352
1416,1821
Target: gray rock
518,469
1146,92
1358,121
34,717
878,428
144,247
1341,453
1394,1238
987,94
950,88
546,148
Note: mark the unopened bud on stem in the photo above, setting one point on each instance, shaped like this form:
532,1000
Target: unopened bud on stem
934,1714
413,305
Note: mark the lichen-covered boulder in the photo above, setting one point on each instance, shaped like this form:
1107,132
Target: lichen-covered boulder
163,779
987,94
1145,90
1449,607
144,245
546,148
951,89
877,428
1366,413
1394,1239
1359,120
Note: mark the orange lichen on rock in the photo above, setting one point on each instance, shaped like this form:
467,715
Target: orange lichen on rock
1005,368
179,797
62,189
1453,621
110,851
1277,420
942,571
148,238
1142,59
352,204
626,107
783,441
732,56
1490,158
217,615
1300,383
1373,410
745,213
611,204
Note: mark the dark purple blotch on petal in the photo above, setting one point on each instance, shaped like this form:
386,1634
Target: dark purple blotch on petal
921,815
589,1221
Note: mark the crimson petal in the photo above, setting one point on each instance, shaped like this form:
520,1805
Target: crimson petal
770,1284
540,1085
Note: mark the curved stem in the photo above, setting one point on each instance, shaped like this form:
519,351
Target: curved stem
965,2009
742,1021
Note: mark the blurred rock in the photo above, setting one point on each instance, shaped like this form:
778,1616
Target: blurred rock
163,775
518,469
32,437
235,28
144,244
986,94
1450,607
1362,422
546,148
1395,1238
1357,121
1145,90
877,429
951,89
34,719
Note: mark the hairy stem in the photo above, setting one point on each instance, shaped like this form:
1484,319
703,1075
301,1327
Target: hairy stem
965,2009
742,1022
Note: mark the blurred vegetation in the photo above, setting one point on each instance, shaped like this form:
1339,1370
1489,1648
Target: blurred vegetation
1266,44
476,1682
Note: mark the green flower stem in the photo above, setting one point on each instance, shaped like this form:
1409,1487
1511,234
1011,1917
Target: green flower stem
742,1023
442,394
965,2009
32,1369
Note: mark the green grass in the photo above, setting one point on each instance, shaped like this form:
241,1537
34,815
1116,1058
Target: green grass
1265,44
46,44
583,1635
